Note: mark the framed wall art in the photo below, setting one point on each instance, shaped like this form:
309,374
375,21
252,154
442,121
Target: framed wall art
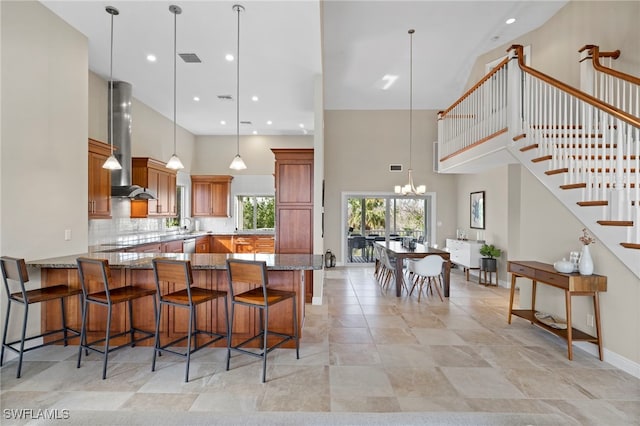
476,204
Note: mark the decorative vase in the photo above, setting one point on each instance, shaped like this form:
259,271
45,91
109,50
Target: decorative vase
585,266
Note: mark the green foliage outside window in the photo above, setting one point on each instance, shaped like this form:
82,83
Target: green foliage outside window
257,212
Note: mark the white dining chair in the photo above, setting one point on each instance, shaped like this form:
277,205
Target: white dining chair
428,269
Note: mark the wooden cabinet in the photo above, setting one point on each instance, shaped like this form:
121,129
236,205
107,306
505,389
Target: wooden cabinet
203,244
146,248
243,244
222,244
210,195
264,244
172,246
99,181
154,175
464,253
294,205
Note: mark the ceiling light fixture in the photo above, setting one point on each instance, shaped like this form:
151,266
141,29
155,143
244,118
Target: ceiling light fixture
174,162
237,163
410,188
112,162
510,21
229,57
196,99
389,80
151,58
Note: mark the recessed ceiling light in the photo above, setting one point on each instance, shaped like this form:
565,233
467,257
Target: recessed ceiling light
255,132
389,80
301,125
223,122
197,99
254,98
269,122
229,57
510,21
151,58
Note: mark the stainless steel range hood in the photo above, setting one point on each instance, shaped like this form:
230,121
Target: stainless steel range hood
121,115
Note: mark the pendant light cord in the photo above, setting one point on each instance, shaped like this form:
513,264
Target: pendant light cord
175,30
111,85
238,9
410,97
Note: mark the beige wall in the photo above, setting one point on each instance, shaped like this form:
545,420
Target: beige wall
43,140
152,132
216,152
360,146
44,133
532,224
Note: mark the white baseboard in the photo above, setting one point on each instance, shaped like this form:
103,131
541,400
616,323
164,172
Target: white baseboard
316,300
612,358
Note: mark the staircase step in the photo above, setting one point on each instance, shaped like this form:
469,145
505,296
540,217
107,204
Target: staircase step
615,222
556,171
543,158
631,245
584,185
573,186
520,136
593,203
528,147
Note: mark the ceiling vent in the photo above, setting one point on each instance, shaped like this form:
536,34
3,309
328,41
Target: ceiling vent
395,167
190,58
245,122
225,97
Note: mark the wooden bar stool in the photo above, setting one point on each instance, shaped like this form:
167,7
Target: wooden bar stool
177,275
98,271
14,269
261,297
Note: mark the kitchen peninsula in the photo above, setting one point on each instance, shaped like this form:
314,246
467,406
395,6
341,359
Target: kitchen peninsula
286,272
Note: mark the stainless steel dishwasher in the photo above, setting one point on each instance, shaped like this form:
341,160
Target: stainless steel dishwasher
189,245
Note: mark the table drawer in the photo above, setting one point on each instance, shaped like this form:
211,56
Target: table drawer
557,280
522,270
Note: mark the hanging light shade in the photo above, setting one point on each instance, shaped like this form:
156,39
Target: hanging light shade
237,163
112,162
410,188
174,162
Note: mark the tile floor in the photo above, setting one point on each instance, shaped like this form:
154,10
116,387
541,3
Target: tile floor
363,350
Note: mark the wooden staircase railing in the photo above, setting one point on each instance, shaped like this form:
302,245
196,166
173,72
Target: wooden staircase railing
586,151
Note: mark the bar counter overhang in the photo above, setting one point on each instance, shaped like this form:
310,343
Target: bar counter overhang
285,271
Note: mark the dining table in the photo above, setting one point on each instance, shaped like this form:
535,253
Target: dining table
396,250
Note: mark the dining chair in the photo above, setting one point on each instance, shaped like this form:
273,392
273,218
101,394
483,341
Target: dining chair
252,277
428,269
175,289
15,270
98,290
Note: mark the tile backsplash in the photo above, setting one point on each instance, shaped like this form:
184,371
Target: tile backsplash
121,226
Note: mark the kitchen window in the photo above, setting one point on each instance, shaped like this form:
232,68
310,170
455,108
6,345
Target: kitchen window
255,212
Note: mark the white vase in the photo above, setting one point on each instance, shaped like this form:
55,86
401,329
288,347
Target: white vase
585,267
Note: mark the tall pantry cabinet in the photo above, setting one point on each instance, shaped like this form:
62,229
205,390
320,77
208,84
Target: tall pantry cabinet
294,205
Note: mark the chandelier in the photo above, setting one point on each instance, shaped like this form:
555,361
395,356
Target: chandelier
410,188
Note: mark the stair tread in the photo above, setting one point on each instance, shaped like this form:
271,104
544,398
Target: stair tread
631,245
593,203
615,222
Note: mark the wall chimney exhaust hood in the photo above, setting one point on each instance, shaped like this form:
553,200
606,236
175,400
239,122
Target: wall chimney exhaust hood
121,128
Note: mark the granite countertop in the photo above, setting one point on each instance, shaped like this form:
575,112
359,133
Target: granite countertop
281,262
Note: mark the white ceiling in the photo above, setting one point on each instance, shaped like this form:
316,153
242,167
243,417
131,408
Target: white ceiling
281,54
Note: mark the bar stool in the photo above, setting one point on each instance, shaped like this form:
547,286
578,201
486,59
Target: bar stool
178,273
98,271
16,270
254,274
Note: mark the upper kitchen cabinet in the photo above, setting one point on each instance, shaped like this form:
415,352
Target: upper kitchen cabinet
154,175
210,195
99,181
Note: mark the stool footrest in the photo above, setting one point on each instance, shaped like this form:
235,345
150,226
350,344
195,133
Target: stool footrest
216,337
285,338
146,335
9,345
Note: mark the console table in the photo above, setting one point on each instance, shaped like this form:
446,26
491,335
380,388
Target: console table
573,285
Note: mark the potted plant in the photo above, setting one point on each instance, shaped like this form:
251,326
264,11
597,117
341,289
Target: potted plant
489,262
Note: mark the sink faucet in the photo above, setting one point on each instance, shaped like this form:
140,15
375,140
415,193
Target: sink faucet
186,223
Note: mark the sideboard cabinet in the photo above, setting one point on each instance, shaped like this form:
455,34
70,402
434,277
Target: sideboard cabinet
464,253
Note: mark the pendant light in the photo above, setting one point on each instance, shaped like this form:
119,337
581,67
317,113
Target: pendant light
112,162
410,188
174,162
238,163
